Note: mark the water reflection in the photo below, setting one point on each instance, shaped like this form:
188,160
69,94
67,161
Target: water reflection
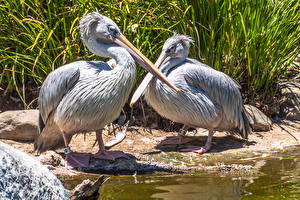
172,187
201,187
279,178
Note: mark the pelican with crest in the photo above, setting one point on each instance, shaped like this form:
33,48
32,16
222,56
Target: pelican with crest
85,96
209,99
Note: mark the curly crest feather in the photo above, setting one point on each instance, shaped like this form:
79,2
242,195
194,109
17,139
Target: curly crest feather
87,22
185,39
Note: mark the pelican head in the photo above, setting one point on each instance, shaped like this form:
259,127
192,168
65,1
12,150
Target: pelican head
176,48
99,33
100,27
174,51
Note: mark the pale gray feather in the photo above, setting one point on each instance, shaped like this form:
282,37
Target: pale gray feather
209,98
84,96
54,88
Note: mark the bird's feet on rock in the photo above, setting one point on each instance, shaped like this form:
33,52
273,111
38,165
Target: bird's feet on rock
75,160
110,155
196,149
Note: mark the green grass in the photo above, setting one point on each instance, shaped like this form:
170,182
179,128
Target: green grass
252,41
36,38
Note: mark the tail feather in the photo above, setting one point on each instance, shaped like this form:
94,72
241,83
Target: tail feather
247,121
41,124
50,137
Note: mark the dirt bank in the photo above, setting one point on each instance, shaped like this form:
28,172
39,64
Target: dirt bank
148,154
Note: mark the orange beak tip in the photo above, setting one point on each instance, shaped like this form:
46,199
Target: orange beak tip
178,91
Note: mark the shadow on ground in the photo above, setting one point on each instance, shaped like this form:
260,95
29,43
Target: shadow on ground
219,144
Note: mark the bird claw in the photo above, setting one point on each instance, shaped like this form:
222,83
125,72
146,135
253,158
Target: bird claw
195,149
200,151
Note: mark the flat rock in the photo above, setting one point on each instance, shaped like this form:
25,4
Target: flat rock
55,161
23,177
19,125
51,158
290,108
123,165
260,121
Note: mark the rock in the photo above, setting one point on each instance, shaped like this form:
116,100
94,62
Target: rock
124,166
260,121
23,177
119,165
86,189
51,158
19,125
290,108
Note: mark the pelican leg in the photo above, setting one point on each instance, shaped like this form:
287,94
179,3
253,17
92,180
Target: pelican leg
182,132
176,140
207,144
103,153
73,159
198,149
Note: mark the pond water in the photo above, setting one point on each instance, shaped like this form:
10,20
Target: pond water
278,177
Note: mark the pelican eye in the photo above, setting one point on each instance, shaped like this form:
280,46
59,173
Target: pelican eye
171,49
112,30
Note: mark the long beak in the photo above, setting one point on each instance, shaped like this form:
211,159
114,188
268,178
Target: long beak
140,90
162,57
122,41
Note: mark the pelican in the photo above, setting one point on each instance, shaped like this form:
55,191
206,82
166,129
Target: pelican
210,99
84,96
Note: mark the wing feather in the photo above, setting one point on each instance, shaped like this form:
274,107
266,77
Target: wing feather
55,87
221,89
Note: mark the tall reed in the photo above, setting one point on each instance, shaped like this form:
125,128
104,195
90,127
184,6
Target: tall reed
252,41
38,36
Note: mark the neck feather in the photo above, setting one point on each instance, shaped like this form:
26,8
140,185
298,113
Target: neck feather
123,74
120,55
170,64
